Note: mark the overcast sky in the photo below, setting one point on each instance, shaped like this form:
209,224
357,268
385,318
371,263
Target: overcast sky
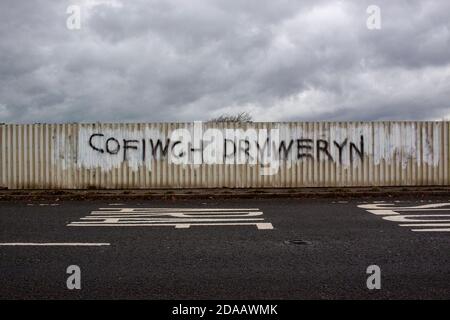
280,60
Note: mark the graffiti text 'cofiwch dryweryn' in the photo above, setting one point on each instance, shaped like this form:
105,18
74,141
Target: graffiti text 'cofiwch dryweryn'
230,146
158,148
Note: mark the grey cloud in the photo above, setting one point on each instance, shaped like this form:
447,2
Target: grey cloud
193,60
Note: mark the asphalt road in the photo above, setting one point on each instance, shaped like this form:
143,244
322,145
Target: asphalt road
338,241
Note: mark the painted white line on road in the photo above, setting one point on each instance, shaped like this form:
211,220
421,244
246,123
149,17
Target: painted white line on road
432,230
178,214
177,209
150,215
425,225
390,206
428,218
264,226
175,217
417,218
60,244
260,226
155,220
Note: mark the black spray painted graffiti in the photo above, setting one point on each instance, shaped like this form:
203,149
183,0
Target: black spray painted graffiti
306,148
113,146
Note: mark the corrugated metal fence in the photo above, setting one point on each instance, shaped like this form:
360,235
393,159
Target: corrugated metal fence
175,155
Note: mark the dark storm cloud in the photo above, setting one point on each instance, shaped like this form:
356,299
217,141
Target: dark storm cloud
193,60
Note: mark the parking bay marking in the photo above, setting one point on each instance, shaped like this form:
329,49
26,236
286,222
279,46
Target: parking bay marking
180,218
430,219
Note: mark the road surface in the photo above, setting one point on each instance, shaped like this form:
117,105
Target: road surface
225,249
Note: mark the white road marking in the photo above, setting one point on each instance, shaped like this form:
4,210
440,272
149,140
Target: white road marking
432,230
425,225
176,214
429,218
414,218
176,209
180,218
265,226
70,244
137,220
377,206
261,226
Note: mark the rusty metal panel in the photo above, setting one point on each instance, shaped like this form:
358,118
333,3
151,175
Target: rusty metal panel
211,155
